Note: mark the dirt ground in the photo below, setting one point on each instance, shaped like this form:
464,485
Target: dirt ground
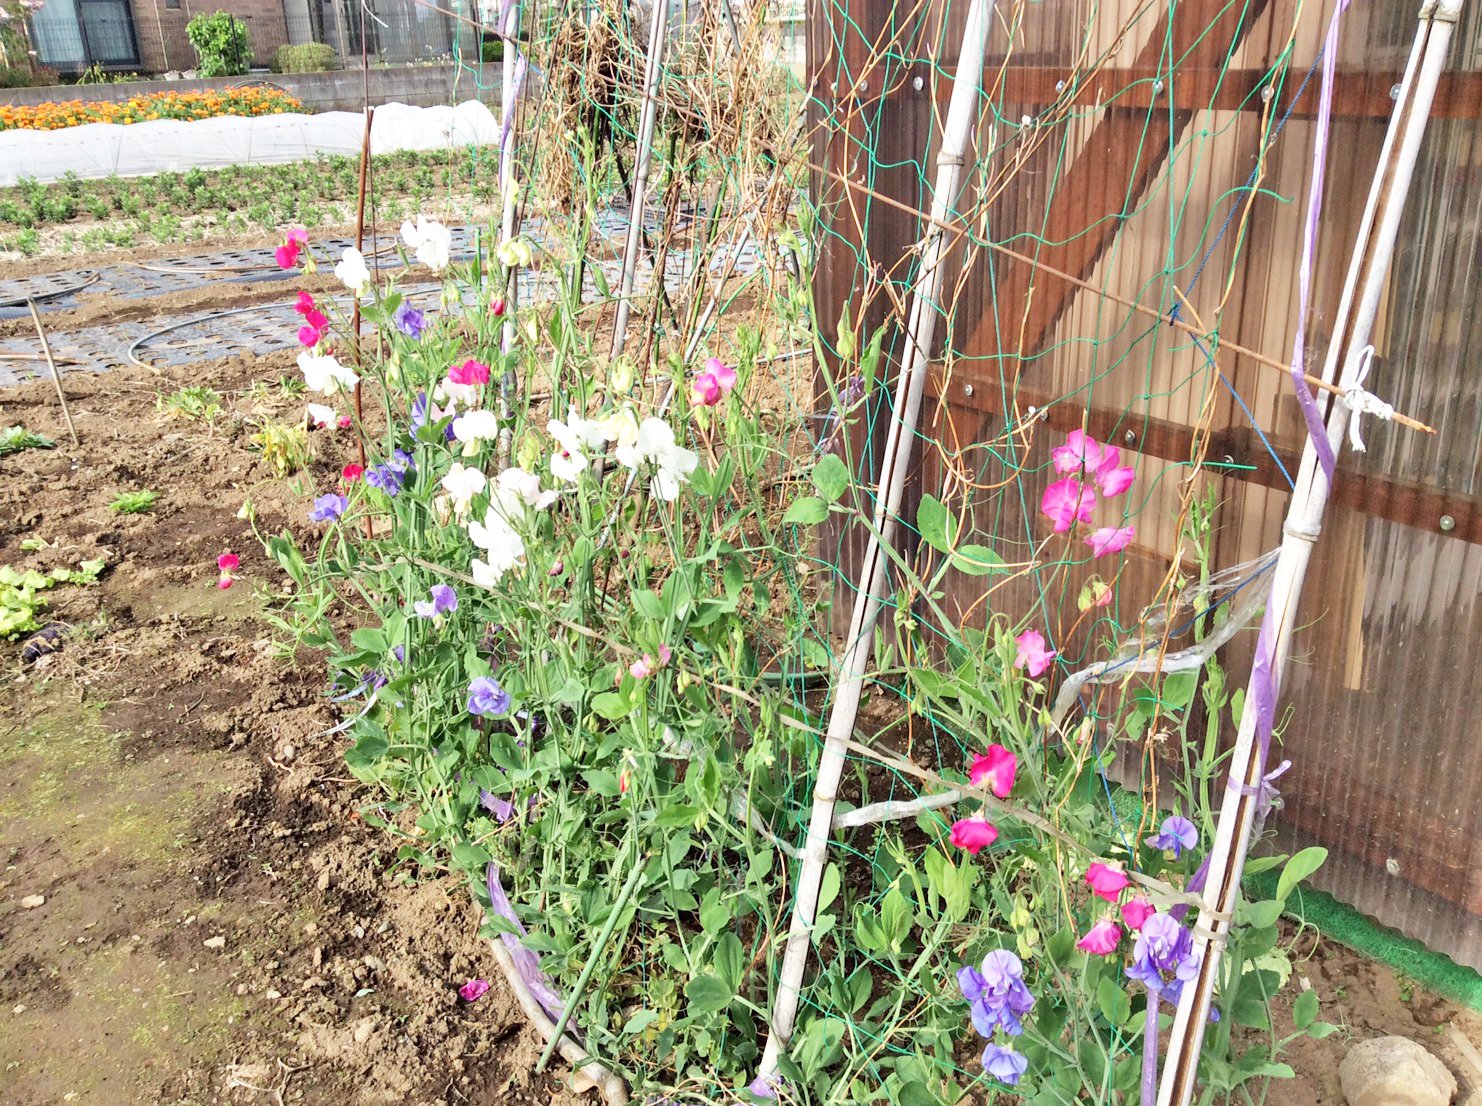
218,925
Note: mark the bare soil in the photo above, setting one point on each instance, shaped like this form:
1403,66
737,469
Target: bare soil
219,925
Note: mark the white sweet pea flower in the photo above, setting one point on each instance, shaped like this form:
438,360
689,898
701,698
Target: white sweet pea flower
500,542
321,415
322,373
516,486
476,426
352,273
431,241
621,427
573,438
463,483
672,462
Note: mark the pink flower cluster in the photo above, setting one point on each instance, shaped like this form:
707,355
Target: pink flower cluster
645,666
994,770
316,323
1090,465
1108,881
712,383
287,254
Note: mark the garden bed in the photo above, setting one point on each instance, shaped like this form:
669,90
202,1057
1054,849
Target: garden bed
152,802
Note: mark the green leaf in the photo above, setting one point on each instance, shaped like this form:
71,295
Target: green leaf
1304,1010
611,705
647,604
808,511
708,993
1112,999
828,887
1257,864
895,916
672,817
830,477
977,560
937,528
601,782
1259,915
474,858
640,1020
1178,689
1299,867
1319,1030
729,960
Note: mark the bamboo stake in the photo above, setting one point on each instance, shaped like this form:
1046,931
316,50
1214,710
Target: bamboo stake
643,157
509,25
365,143
1362,293
56,377
962,115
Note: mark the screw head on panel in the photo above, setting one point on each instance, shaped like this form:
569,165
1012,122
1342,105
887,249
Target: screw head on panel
1448,523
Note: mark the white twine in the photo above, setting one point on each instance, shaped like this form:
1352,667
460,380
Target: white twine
1362,402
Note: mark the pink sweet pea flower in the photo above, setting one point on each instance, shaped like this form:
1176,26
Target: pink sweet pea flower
351,473
469,373
227,563
1101,939
1112,478
1137,910
1107,880
1080,451
642,668
344,422
1033,657
712,383
1109,539
994,770
297,235
304,304
496,308
1067,502
473,990
973,834
664,654
287,255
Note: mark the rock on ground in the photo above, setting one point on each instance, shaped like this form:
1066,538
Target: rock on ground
1394,1071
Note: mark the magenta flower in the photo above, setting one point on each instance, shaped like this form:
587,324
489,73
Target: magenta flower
1080,452
1109,539
227,563
1102,938
1111,476
473,990
1067,502
973,834
1033,657
469,373
995,770
1135,911
712,383
1107,880
1176,833
1004,1064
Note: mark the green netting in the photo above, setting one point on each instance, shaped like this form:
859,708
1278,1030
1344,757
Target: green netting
781,233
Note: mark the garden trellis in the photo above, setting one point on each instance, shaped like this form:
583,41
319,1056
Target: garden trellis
883,697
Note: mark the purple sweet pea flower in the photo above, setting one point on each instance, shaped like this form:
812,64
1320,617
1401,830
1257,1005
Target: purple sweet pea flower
1164,959
1004,1064
996,994
409,320
328,508
374,679
444,601
387,477
487,697
1176,833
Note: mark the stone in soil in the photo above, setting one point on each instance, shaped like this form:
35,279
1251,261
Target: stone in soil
1394,1071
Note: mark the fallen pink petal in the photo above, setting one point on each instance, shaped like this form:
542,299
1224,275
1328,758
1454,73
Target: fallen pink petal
473,990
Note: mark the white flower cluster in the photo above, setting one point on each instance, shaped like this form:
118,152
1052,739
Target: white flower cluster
513,496
649,442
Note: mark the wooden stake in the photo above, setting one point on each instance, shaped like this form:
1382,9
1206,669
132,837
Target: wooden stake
56,377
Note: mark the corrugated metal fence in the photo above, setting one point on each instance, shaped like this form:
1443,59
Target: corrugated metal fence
1133,185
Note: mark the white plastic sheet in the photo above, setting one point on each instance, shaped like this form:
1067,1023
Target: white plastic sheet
164,145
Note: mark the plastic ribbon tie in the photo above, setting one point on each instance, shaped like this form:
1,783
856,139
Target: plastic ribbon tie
1362,402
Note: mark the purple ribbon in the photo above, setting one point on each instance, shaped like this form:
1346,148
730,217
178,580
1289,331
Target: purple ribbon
526,962
507,18
1315,425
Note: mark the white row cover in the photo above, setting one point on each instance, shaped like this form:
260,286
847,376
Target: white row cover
164,145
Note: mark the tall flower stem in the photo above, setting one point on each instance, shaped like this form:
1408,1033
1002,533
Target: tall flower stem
634,877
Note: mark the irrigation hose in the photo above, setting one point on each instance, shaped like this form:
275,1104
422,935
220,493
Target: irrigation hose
41,297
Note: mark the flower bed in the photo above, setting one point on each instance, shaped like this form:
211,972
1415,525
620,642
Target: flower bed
184,106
